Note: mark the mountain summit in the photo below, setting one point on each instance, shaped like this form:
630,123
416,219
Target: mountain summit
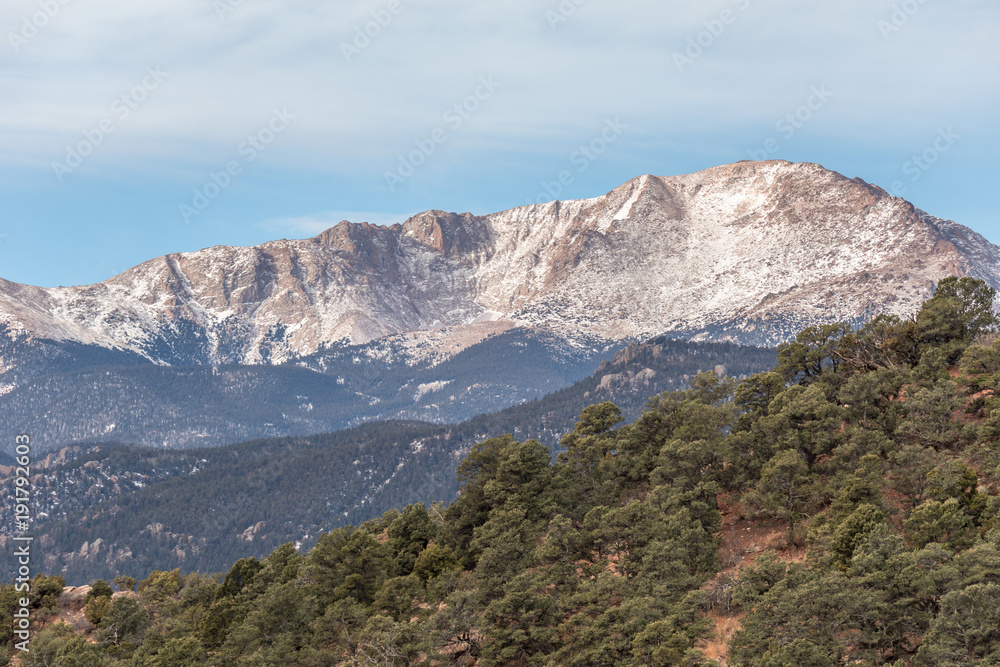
448,316
749,252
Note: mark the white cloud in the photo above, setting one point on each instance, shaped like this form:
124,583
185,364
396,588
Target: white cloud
608,58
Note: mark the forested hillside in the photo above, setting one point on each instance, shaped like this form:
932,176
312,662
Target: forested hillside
197,406
184,407
107,510
840,509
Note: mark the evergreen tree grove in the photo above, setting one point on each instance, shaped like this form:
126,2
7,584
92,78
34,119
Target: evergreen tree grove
868,459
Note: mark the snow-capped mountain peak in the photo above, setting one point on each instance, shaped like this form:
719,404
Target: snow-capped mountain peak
749,251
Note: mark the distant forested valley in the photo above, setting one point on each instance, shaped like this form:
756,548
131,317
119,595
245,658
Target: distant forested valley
840,508
109,509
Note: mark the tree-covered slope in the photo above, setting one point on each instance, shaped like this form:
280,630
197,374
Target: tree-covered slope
108,510
867,458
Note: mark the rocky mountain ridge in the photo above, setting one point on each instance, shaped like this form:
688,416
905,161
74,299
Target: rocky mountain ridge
448,316
747,252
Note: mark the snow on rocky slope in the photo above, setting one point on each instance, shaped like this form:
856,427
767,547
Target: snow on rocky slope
749,252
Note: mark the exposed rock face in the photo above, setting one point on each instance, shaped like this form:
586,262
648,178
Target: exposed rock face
749,252
628,379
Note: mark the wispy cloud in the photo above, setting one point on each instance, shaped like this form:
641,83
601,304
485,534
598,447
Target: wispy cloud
356,116
611,58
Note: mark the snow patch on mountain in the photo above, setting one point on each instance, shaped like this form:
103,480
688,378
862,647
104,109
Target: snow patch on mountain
429,388
748,252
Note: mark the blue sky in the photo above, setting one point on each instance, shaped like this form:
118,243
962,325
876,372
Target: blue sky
130,130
